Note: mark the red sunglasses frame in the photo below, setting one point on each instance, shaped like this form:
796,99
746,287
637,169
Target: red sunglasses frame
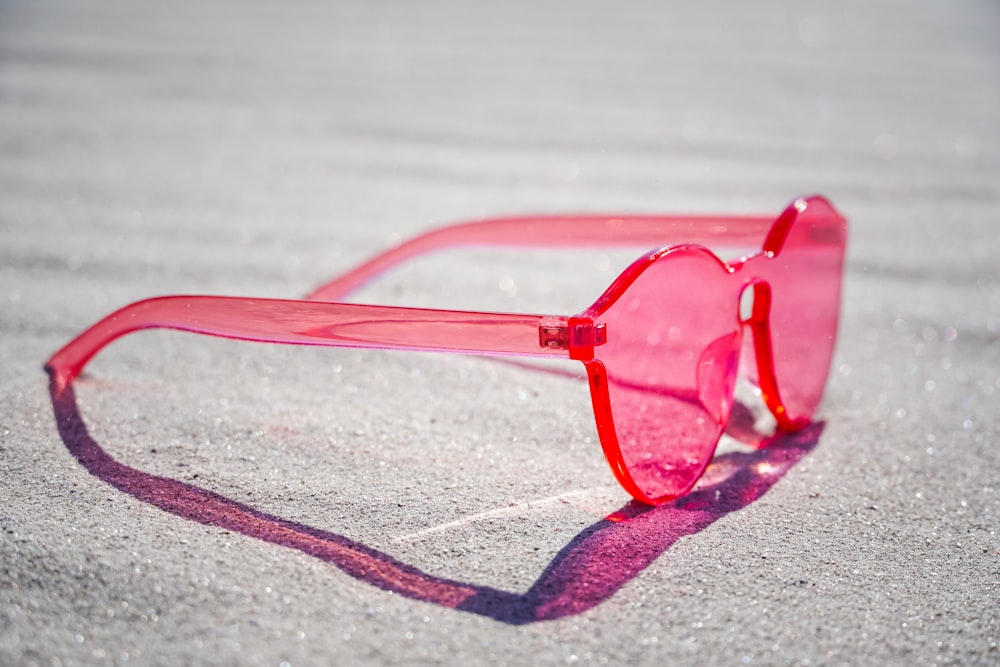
320,320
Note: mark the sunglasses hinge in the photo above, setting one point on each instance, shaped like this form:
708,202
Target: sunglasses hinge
578,335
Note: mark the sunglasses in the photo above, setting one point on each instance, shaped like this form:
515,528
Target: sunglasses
662,347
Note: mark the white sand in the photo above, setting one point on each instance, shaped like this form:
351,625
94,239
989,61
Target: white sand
246,504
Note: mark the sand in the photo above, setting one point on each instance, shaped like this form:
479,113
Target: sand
203,501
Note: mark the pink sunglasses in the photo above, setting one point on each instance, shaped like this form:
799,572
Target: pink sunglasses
661,346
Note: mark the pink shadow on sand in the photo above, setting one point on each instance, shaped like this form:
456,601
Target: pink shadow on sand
590,569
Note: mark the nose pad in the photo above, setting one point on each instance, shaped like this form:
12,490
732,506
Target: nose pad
718,368
748,301
755,309
755,303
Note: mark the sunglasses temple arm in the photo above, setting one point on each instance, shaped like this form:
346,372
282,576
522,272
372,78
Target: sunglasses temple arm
559,231
320,323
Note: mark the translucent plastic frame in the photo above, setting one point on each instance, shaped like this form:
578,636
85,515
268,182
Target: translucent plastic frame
662,346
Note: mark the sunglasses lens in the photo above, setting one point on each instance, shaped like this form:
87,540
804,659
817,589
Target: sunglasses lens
671,359
805,278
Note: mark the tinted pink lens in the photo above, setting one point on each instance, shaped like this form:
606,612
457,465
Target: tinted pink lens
671,358
805,277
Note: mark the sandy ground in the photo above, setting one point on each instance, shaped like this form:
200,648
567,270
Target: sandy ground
211,502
